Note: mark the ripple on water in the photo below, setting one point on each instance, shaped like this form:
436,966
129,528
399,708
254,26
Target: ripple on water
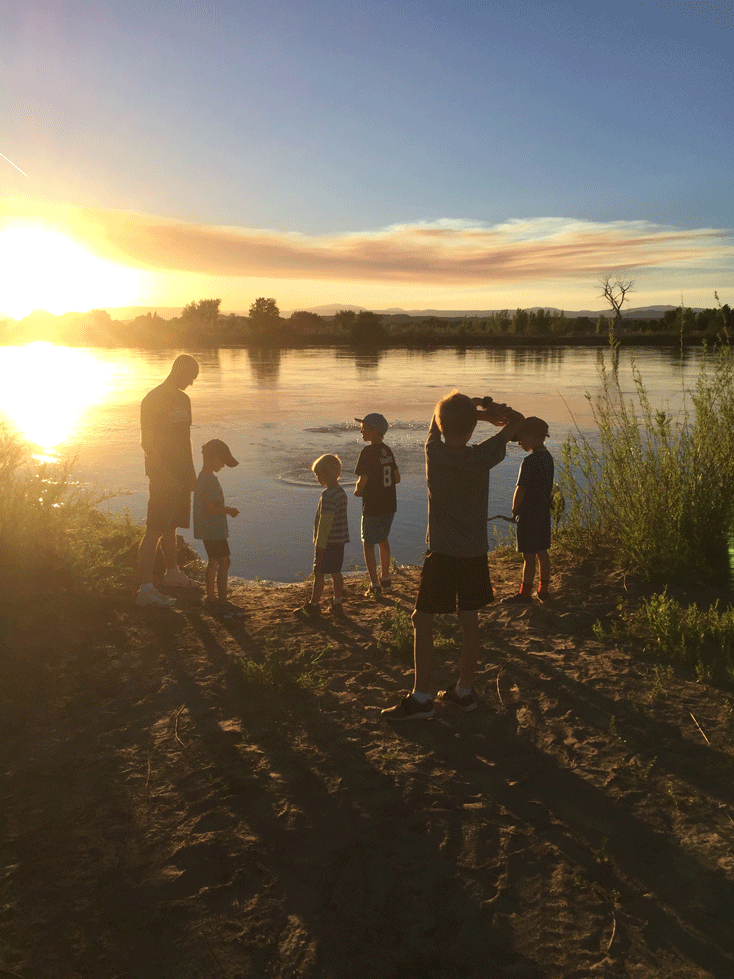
347,428
304,477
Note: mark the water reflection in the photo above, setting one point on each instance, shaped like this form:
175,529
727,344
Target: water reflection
209,359
534,357
265,365
46,389
365,361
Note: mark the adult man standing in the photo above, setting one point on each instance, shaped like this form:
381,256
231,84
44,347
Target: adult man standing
165,435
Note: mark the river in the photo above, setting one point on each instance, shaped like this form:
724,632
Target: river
279,410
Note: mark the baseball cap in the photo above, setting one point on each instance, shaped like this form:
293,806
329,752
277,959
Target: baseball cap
374,420
220,449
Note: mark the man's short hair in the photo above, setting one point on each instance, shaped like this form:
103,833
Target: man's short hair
327,465
456,415
184,364
533,426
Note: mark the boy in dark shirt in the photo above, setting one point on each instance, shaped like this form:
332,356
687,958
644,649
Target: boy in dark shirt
210,525
378,475
531,506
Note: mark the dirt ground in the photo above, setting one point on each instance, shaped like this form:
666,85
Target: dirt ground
184,796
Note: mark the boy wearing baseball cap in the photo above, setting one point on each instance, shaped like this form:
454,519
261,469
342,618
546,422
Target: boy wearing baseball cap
210,525
378,475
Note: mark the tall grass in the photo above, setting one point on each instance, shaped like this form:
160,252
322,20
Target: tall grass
53,538
657,487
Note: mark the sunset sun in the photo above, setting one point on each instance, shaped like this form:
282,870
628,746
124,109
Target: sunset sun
43,269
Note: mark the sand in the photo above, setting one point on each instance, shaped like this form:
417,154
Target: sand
189,796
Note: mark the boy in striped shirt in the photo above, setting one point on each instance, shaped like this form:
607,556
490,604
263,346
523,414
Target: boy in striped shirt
331,533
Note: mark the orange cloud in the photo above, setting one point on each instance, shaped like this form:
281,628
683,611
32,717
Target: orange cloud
444,253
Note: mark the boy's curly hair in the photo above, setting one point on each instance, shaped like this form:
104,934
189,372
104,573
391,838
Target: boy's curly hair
456,414
330,465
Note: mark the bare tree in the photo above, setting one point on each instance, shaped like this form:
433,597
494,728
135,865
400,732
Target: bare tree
615,292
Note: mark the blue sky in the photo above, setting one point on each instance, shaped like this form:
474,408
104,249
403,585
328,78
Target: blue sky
181,140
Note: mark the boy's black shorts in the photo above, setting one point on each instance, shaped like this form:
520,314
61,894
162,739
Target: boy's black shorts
331,560
216,548
448,581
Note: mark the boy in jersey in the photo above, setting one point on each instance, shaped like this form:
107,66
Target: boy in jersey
378,476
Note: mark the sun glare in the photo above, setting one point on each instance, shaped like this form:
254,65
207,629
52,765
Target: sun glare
46,389
42,269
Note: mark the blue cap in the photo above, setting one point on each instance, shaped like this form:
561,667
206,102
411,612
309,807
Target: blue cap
374,420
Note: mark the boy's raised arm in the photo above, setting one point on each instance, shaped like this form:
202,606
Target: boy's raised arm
434,432
499,414
512,428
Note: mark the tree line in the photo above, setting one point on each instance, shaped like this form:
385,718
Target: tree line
202,324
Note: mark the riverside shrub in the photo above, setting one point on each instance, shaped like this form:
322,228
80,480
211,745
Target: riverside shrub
53,538
656,486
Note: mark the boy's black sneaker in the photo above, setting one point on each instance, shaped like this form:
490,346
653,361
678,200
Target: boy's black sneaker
374,591
308,611
518,599
409,709
386,584
466,703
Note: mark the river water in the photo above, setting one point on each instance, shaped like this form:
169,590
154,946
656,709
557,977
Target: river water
279,410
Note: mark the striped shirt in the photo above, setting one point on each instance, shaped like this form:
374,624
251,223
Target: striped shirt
330,526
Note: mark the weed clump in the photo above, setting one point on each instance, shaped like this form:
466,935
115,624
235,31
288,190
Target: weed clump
280,671
654,486
688,635
53,538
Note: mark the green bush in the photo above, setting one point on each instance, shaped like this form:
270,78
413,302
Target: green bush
654,486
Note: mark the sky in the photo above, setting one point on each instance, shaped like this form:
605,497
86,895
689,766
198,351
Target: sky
377,153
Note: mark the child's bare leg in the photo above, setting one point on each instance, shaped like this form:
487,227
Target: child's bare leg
337,580
224,563
528,572
469,647
384,558
371,562
211,578
318,587
422,650
544,575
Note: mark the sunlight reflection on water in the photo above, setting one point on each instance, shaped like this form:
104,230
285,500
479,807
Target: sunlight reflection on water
45,391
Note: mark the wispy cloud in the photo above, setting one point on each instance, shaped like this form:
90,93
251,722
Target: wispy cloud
445,252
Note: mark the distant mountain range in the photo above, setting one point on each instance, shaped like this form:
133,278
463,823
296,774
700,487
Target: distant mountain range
170,312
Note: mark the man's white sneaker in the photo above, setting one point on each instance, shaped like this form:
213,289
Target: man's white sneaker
175,578
148,595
